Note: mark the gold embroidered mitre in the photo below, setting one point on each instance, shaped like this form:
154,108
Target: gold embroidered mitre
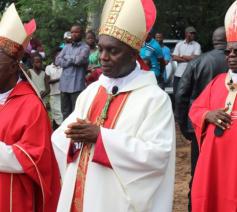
14,36
128,20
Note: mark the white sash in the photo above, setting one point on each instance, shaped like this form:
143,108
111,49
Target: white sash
230,100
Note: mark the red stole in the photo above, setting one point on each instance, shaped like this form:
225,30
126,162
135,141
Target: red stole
93,115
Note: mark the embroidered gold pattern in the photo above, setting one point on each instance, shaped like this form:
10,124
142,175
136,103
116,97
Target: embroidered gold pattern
118,33
121,35
110,29
117,6
10,47
77,204
112,18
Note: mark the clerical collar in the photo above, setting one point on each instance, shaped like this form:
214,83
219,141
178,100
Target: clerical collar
233,76
4,96
109,83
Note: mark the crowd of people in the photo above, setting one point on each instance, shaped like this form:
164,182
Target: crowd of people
94,130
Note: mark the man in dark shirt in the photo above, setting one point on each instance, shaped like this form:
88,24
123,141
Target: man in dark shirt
74,60
198,74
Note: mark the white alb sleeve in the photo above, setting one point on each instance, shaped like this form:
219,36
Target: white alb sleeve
8,160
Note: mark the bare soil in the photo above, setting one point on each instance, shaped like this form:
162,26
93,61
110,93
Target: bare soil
182,173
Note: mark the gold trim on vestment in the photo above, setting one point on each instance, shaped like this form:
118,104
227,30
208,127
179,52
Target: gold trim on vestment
37,170
11,187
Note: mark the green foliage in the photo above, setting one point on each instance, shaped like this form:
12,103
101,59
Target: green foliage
4,3
95,5
204,15
53,18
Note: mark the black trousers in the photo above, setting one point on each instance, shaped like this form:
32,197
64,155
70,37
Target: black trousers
194,158
68,101
175,84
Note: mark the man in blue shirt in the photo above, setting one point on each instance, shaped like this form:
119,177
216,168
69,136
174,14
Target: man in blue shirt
166,50
74,60
166,53
151,53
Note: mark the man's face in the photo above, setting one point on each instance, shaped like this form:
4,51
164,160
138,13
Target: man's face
37,63
76,33
90,39
116,58
231,55
159,38
190,36
7,72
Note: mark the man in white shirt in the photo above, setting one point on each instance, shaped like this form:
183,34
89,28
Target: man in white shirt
184,52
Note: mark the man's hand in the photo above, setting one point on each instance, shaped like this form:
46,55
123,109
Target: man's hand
219,117
82,131
178,59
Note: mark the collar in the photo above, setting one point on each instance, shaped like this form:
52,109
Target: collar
54,66
76,44
4,96
136,79
189,43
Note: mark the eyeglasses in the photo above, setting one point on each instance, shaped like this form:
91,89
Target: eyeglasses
229,51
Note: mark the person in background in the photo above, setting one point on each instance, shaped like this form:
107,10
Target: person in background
151,53
74,61
184,52
94,52
39,78
29,175
54,72
94,70
36,47
67,37
199,72
166,54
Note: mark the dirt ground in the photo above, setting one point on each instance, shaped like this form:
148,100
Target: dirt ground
182,174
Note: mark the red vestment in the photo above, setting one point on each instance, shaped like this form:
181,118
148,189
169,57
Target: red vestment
215,181
25,126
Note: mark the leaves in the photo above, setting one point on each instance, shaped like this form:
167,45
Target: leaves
204,15
53,18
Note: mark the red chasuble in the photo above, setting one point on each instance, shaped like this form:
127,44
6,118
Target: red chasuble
100,155
215,181
24,124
